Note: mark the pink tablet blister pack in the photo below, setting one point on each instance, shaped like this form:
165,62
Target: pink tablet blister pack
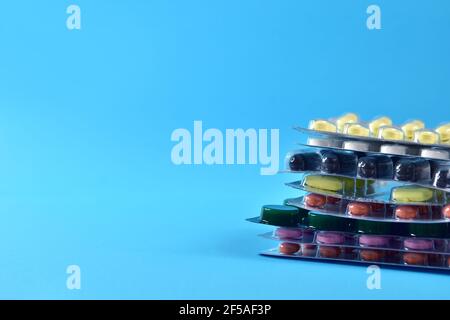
304,243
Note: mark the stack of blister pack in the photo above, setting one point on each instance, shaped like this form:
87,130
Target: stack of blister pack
371,192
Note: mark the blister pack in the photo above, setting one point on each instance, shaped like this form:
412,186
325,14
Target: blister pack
388,257
370,166
295,217
420,213
381,130
359,241
370,192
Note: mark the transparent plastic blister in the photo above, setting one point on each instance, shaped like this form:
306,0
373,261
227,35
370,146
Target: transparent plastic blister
369,190
297,217
307,235
372,210
373,192
381,129
368,166
363,165
395,258
341,187
323,160
391,148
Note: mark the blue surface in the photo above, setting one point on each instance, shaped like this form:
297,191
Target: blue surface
86,117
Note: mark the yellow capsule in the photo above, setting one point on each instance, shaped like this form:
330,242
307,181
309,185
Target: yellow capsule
412,194
322,125
355,129
410,127
323,182
390,133
444,133
375,125
426,137
346,118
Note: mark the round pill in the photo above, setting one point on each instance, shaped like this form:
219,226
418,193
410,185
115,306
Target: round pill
406,212
414,258
315,200
371,255
330,237
418,244
358,209
329,252
289,233
373,241
309,250
288,248
446,211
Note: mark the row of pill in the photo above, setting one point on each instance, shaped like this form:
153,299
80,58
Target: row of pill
359,209
355,240
383,128
367,255
370,190
366,166
293,216
436,153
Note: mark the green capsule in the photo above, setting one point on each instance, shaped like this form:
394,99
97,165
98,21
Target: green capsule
282,215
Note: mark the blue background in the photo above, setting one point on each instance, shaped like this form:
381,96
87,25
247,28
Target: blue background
86,117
